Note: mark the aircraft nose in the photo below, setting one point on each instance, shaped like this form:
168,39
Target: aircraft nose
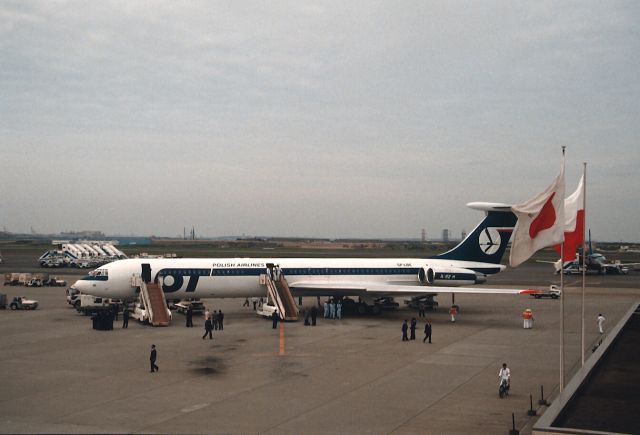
81,285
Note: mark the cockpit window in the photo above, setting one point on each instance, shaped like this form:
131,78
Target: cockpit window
99,272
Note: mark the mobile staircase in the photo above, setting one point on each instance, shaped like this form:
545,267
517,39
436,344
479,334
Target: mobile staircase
280,294
153,306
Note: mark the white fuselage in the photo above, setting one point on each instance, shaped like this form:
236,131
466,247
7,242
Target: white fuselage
240,277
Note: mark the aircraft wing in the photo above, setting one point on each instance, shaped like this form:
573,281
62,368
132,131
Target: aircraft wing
380,289
620,264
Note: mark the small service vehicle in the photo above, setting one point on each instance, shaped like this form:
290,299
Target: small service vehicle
427,301
55,282
22,303
197,307
266,309
73,297
552,293
91,305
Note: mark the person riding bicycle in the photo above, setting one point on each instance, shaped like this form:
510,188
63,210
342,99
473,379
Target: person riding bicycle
505,375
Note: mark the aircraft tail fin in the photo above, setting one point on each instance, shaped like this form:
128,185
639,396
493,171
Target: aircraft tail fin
488,241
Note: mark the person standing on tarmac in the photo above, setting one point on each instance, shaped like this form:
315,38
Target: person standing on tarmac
190,316
527,319
339,310
274,318
314,314
413,329
220,320
421,309
427,331
152,359
405,327
453,311
326,309
208,327
125,316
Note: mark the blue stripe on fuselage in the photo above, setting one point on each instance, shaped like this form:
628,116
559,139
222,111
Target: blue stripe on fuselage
296,271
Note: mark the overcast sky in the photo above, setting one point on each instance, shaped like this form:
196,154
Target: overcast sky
327,119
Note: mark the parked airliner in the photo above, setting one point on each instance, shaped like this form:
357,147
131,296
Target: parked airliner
454,271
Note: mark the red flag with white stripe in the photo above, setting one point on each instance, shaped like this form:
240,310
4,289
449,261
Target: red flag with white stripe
573,223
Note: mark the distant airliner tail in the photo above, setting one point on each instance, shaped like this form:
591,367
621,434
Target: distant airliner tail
488,241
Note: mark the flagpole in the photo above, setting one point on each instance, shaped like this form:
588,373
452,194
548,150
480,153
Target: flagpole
562,303
584,269
562,318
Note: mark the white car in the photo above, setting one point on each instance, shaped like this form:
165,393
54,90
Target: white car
553,293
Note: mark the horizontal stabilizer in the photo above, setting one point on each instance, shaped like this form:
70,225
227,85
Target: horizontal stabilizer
489,206
333,287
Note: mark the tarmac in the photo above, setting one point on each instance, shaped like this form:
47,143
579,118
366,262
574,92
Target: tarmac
353,375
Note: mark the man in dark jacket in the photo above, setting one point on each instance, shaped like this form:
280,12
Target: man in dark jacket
220,320
427,332
190,317
413,329
275,317
208,327
405,327
152,359
125,317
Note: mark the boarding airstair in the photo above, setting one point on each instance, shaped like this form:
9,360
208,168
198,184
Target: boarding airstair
153,305
280,294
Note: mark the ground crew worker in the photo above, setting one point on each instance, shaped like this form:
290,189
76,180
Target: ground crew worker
527,319
421,309
125,317
332,310
339,310
190,316
326,309
453,311
152,359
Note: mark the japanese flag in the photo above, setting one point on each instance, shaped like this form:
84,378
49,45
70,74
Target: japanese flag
540,222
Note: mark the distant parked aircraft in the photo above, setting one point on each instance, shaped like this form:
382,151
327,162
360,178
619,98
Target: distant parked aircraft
595,262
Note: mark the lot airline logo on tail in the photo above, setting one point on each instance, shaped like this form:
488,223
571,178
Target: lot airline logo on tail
490,240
